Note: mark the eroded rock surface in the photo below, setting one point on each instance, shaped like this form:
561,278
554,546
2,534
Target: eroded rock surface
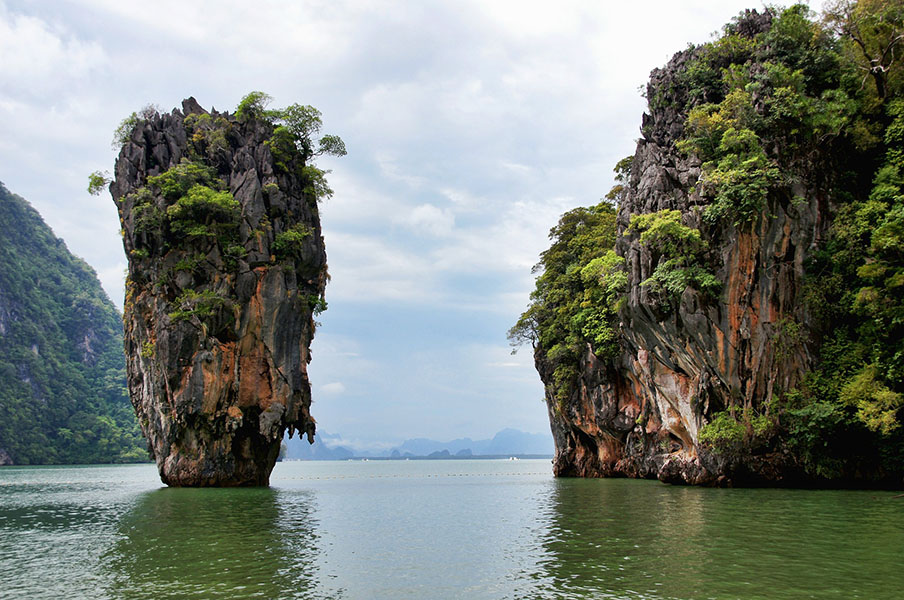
640,415
226,267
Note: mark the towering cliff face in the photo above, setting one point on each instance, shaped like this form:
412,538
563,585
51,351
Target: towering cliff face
683,360
725,203
226,268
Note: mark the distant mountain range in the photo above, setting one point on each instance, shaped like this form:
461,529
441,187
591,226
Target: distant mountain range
508,442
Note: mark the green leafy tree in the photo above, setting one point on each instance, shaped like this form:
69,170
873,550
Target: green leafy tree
679,256
296,139
97,182
253,106
290,243
124,130
875,31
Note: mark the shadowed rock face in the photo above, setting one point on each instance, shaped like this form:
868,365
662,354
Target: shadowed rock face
226,266
640,415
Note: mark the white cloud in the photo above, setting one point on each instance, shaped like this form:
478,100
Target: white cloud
370,268
519,169
357,203
511,242
390,169
41,59
463,200
534,18
333,389
251,32
428,219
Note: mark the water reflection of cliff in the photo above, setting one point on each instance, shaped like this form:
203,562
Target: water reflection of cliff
621,537
640,539
230,543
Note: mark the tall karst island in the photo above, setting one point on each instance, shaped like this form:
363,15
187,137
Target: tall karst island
227,268
734,312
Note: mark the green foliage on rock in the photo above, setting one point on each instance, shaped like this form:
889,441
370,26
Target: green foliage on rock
820,104
766,107
177,181
148,217
208,134
737,175
681,249
317,304
252,106
97,181
124,131
727,434
289,244
127,126
577,295
786,115
194,206
296,139
877,405
203,211
202,305
63,395
317,185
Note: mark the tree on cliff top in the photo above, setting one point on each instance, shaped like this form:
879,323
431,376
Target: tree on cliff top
875,29
297,129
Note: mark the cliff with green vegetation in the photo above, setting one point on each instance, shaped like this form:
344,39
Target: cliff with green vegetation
62,372
733,313
227,268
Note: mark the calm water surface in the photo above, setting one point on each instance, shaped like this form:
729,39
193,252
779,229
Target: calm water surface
437,529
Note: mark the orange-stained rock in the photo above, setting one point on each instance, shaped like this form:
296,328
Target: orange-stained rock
640,415
216,387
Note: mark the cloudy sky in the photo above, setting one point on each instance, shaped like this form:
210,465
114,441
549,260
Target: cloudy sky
471,126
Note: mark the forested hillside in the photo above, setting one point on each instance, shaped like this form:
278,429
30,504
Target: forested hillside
62,371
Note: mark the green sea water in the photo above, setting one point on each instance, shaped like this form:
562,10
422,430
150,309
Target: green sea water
437,529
